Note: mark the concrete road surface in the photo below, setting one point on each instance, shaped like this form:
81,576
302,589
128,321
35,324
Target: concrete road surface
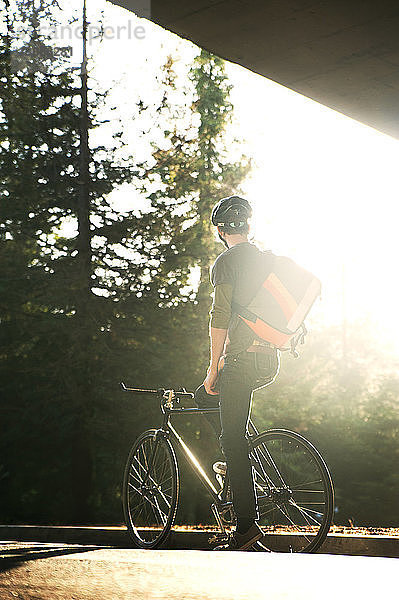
61,572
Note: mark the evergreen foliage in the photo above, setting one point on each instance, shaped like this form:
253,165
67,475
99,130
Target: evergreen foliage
65,427
73,328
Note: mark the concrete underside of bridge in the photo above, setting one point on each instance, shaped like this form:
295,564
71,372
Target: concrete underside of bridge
341,53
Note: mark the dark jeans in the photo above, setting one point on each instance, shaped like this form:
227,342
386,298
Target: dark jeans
241,375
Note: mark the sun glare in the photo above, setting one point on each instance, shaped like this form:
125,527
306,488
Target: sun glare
325,193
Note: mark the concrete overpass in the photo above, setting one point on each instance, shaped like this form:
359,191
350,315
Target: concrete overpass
341,53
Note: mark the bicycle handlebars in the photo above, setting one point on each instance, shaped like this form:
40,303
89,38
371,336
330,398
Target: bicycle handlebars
137,390
161,392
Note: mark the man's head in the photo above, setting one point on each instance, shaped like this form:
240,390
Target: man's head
230,216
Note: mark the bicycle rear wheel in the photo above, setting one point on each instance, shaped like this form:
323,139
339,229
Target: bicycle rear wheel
150,490
294,492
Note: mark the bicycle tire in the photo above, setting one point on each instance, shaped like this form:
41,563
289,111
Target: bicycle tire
150,490
294,491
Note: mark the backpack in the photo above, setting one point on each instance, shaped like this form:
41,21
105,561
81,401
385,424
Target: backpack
277,311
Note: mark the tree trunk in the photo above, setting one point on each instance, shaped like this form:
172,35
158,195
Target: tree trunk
81,451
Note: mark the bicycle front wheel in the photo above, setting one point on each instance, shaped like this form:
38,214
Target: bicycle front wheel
150,490
294,491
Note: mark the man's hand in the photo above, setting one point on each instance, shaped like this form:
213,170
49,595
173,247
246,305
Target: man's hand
218,337
210,380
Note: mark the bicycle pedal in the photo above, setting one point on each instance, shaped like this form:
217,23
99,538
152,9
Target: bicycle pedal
218,539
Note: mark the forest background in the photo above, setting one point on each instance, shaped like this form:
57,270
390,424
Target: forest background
99,285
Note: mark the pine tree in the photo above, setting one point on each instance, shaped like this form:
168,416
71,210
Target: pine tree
48,333
81,311
192,173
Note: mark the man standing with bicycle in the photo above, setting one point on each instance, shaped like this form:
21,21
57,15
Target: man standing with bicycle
260,302
239,362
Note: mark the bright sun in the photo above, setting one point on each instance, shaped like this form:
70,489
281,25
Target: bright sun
325,192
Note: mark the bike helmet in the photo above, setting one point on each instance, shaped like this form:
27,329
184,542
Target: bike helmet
231,214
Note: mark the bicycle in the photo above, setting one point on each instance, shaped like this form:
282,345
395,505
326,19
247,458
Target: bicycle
293,486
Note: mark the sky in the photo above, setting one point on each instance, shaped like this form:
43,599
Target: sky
324,187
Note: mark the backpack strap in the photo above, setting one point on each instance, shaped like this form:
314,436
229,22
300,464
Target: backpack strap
298,339
243,312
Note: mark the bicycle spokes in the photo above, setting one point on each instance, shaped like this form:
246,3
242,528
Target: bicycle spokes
293,491
150,490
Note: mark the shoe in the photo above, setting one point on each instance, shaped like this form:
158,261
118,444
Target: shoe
220,468
242,541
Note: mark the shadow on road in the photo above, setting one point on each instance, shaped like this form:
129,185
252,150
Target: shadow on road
13,553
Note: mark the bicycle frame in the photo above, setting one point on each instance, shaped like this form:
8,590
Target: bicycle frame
167,399
218,498
271,481
167,428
